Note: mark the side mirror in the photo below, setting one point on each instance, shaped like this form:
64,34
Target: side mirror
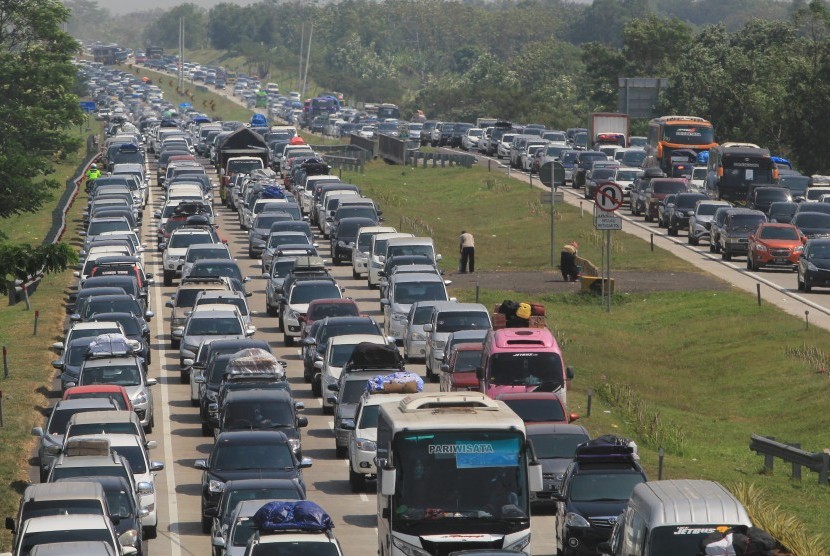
250,331
305,463
149,315
144,488
573,417
333,388
302,422
318,365
428,327
213,407
151,382
57,364
156,466
347,425
169,304
569,373
10,524
200,464
331,399
37,431
388,476
151,444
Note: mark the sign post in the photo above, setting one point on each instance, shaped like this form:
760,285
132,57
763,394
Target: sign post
608,198
552,174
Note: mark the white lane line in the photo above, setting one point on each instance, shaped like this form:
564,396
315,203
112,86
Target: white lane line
363,497
170,475
331,425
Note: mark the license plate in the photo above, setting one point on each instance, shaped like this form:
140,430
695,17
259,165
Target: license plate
779,260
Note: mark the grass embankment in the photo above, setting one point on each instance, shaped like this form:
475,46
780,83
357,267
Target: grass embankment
693,372
26,391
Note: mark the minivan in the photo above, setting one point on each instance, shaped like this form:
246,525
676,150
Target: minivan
377,255
446,319
673,517
523,360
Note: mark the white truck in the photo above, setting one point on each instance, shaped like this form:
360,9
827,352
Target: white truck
454,472
608,128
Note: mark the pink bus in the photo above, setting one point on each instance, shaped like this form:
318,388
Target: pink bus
523,360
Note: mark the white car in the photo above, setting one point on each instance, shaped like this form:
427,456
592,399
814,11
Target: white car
338,351
323,543
362,245
624,177
176,248
67,528
363,439
296,304
377,255
471,138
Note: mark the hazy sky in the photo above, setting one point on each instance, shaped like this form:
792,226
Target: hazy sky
127,6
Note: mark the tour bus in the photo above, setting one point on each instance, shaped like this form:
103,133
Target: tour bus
454,473
732,170
388,111
669,133
523,360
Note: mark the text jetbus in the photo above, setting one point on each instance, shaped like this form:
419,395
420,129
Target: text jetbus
454,472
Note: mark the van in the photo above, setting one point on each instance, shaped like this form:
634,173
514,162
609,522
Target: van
377,255
63,498
397,247
360,251
672,517
447,318
523,360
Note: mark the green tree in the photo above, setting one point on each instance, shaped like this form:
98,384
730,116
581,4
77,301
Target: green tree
18,262
165,32
653,45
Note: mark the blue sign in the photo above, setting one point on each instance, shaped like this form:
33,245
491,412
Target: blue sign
88,105
184,105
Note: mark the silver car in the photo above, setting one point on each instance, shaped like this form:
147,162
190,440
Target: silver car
210,324
126,371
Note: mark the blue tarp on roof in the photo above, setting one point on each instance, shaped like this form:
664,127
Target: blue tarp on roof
304,515
258,120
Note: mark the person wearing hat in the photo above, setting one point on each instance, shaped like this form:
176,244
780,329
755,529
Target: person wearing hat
567,262
93,173
467,246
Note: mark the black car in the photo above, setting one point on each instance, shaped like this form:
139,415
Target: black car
663,208
814,265
584,162
87,294
220,347
458,131
760,198
782,212
246,455
209,382
812,224
736,229
128,283
262,410
343,238
595,490
684,207
554,445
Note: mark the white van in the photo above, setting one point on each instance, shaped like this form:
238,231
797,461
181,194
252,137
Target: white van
377,255
362,245
672,517
412,246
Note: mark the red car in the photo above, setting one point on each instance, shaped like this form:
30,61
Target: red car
117,394
322,308
459,372
537,407
775,244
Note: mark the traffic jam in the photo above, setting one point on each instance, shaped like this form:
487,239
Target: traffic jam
255,363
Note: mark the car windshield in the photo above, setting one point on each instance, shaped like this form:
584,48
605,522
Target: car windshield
356,212
134,455
120,502
180,241
252,456
76,355
246,415
340,354
744,221
207,253
96,228
587,158
603,173
237,302
112,306
364,242
369,417
31,540
452,321
43,508
62,472
687,202
775,232
410,292
283,238
102,428
121,375
243,530
301,293
362,326
598,487
264,221
537,410
296,548
333,310
467,360
553,445
666,187
210,326
526,369
777,194
422,314
705,209
796,184
243,166
205,270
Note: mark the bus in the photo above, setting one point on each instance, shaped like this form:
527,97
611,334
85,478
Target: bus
683,133
733,170
455,470
388,111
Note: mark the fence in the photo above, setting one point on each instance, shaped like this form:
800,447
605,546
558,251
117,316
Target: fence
440,158
22,289
770,448
417,225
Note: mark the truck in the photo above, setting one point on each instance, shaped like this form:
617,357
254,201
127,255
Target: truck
455,470
608,128
243,143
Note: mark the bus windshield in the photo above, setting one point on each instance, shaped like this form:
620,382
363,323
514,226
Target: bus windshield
529,369
688,134
457,465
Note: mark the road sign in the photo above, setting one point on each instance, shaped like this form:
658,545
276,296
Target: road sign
88,105
548,197
607,221
552,174
609,196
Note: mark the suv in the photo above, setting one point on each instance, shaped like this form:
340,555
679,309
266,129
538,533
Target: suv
700,222
682,210
595,489
737,227
637,197
554,445
176,248
715,228
775,245
209,323
363,437
657,191
185,298
281,268
583,163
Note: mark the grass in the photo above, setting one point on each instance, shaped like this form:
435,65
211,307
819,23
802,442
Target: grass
26,391
707,369
511,226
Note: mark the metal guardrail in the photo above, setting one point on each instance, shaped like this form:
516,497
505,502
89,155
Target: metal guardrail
770,448
348,163
368,145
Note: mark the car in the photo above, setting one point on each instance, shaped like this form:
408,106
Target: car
814,265
344,237
446,319
261,228
204,251
458,372
582,164
414,337
782,212
738,225
555,446
760,198
208,323
316,340
245,455
663,208
118,394
362,444
136,330
657,190
538,407
280,240
281,268
700,222
73,528
314,538
337,352
715,227
107,422
261,409
598,176
405,289
118,303
682,210
295,304
51,436
775,245
72,357
176,248
184,299
812,224
595,489
238,491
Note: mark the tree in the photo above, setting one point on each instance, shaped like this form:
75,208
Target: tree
19,262
166,30
654,45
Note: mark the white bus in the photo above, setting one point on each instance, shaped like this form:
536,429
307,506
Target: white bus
454,472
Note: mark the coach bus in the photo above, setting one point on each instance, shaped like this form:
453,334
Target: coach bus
677,133
732,170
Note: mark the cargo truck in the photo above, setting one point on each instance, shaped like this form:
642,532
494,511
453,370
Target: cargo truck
608,128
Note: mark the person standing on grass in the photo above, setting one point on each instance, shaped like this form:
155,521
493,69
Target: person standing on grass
467,247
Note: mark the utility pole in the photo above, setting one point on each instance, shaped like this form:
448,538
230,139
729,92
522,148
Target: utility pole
302,49
181,54
307,62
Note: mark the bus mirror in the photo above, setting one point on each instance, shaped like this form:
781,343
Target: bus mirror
569,373
534,477
388,475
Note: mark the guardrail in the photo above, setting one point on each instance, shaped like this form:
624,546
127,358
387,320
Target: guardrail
396,150
348,163
440,159
368,145
770,448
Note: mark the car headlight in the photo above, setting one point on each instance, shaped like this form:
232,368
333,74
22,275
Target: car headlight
811,267
759,247
408,549
216,486
294,443
575,520
519,545
366,445
438,344
141,398
292,314
130,537
798,249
